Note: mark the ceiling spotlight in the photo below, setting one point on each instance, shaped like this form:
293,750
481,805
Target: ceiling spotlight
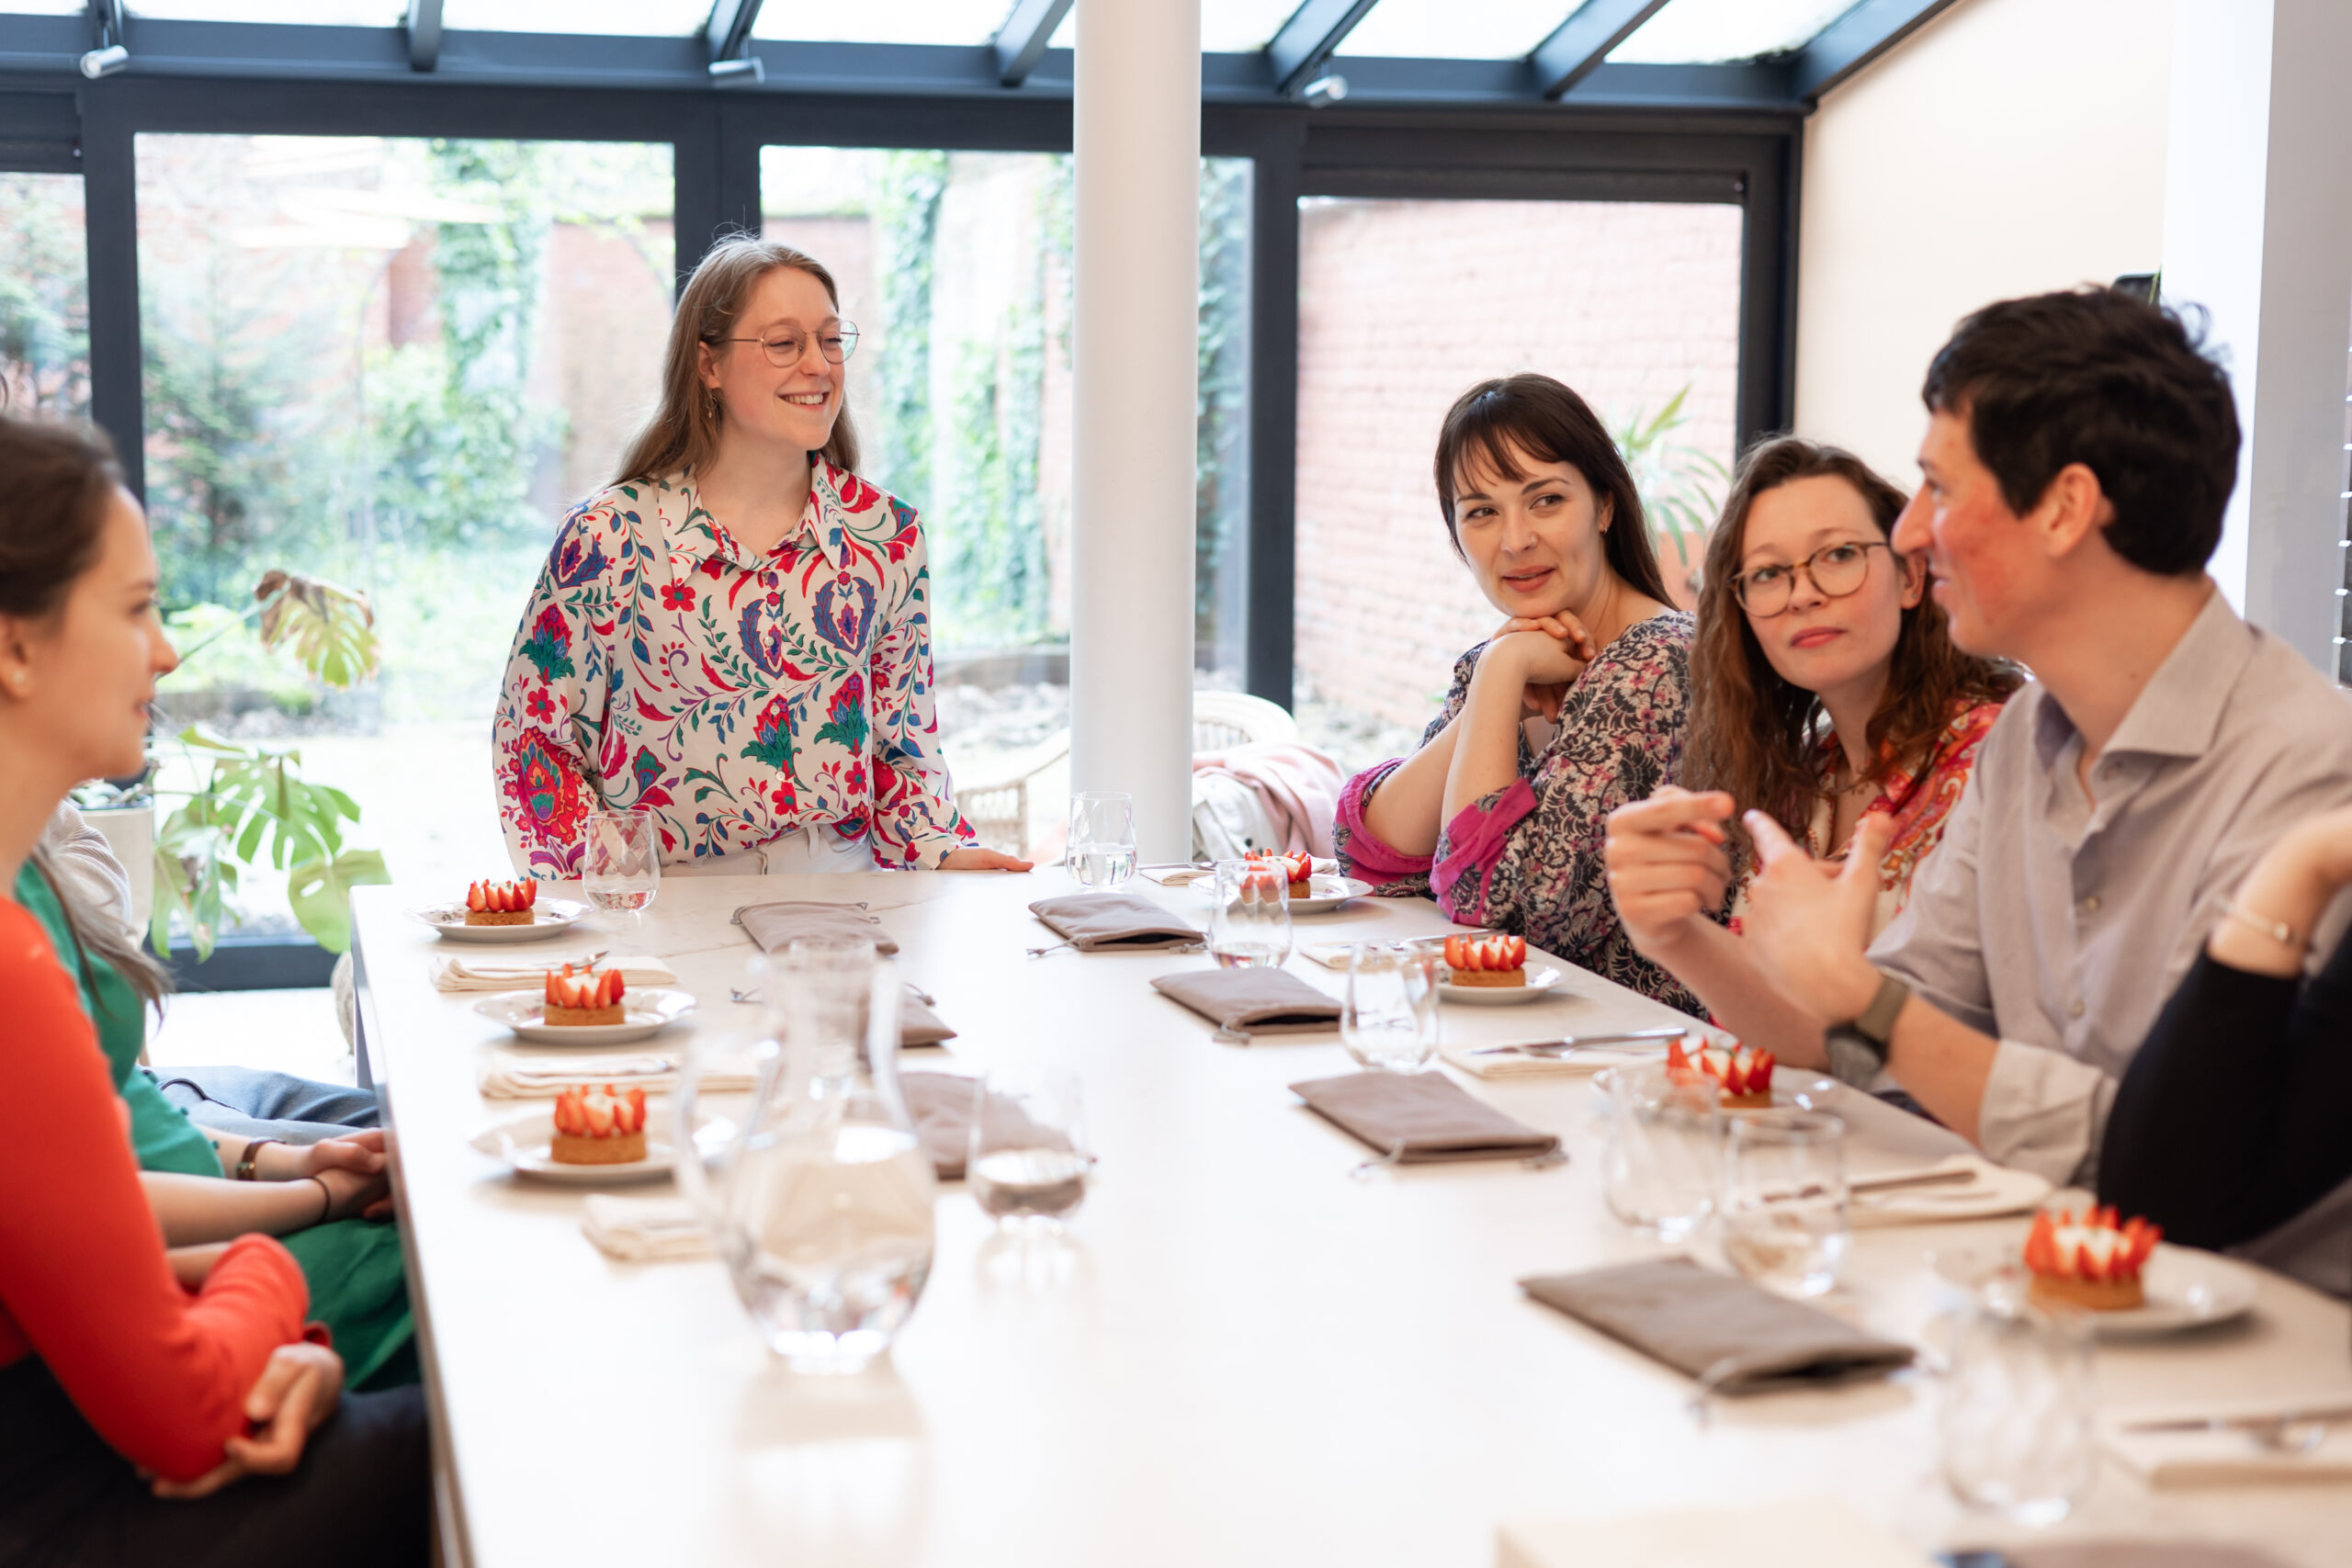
105,61
736,73
1325,90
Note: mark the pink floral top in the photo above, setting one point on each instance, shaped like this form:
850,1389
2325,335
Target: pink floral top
739,698
1528,858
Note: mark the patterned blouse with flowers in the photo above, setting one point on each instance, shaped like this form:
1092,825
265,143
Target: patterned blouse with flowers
1919,802
659,665
1527,859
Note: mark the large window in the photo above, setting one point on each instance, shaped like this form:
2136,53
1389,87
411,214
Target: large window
44,296
1405,305
395,365
956,268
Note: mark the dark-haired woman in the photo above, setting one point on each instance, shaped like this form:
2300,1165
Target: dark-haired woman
1542,510
1824,688
735,636
135,1386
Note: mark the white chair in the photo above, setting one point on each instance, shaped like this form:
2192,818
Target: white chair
1001,795
1226,719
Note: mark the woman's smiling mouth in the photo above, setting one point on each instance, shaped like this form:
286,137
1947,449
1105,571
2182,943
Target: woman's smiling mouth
1527,579
1815,637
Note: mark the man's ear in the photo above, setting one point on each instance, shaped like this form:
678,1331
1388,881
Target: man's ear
1914,579
2074,509
15,656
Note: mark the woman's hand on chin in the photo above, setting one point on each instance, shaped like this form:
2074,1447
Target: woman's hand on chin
1570,631
980,860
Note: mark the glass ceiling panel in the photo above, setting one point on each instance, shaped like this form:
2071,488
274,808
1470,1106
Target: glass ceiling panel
1227,27
1712,32
323,13
899,21
1449,29
635,18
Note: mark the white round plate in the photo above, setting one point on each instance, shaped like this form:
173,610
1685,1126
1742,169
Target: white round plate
1997,1190
1540,982
1326,893
554,916
2187,1287
1794,1089
642,1012
524,1143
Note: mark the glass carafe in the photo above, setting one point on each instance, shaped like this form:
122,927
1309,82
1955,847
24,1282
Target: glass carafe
820,1205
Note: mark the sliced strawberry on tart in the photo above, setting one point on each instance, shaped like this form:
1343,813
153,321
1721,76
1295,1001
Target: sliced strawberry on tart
1743,1077
501,903
2089,1261
1297,871
1486,960
599,1126
584,998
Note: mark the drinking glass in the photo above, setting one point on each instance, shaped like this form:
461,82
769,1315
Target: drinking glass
1659,1170
1783,1204
2019,1410
1102,851
1250,915
1027,1157
620,865
1388,1018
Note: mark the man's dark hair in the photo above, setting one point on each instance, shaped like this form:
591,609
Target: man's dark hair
2124,388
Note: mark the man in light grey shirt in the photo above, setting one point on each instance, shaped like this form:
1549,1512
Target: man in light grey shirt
2079,454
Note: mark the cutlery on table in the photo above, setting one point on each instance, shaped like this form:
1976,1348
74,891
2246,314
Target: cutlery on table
1871,1186
2286,1431
1580,1042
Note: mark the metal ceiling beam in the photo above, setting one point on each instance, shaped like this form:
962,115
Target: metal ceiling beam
729,31
1314,31
1856,38
1022,41
424,34
1579,46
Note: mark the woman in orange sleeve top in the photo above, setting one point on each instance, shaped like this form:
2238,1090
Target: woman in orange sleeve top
136,1385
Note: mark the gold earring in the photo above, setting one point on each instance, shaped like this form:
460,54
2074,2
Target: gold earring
714,400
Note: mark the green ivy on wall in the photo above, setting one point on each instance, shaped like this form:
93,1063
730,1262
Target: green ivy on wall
906,234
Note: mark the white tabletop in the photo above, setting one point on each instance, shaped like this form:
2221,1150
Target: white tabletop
1238,1356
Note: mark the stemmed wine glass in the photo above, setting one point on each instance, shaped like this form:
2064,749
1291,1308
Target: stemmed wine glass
621,866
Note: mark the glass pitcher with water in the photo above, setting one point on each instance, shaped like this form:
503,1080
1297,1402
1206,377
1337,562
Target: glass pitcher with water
820,1205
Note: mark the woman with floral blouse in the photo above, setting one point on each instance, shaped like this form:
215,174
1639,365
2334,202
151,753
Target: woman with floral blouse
1505,833
736,634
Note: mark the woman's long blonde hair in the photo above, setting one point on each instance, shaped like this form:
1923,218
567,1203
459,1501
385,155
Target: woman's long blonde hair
683,433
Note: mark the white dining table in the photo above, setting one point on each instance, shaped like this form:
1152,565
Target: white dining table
1240,1351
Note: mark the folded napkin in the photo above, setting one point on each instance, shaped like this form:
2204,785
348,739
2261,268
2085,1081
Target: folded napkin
1739,1337
1092,922
513,1075
1174,875
941,1104
461,974
1334,954
2230,1457
1566,1064
1419,1118
1252,1001
777,926
643,1230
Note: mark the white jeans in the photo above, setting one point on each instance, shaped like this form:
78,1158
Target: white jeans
809,850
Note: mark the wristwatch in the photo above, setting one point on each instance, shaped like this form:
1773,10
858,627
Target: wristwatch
1858,1049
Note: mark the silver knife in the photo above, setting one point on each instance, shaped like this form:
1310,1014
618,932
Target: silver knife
1578,1042
2243,1423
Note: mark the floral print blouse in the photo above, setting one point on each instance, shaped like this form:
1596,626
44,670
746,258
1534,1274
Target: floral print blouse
1528,858
739,698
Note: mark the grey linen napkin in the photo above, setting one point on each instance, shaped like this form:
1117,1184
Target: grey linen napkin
918,1025
1420,1118
1252,1001
941,1105
1738,1337
1092,922
775,926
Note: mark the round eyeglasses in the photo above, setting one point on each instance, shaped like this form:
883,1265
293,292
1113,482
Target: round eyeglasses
785,349
1835,570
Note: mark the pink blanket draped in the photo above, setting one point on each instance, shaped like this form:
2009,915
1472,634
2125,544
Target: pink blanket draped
1298,786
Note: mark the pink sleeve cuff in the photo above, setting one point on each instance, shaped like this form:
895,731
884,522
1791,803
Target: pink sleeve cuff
1361,847
1473,844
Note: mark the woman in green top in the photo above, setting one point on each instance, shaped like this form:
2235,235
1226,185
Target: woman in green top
313,1198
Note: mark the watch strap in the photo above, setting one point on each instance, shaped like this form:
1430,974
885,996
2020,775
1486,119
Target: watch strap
1876,1022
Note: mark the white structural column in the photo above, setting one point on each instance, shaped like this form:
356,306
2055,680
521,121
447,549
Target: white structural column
1134,330
2258,231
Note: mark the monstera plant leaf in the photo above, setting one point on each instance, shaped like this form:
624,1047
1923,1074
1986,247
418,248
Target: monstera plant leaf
329,628
319,891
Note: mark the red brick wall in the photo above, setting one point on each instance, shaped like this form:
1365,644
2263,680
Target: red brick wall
1404,304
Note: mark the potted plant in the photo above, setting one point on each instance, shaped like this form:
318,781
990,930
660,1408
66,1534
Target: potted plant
251,804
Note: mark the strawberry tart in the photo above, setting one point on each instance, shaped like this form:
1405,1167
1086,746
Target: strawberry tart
584,999
1298,870
1486,960
501,903
2088,1260
1743,1078
599,1126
